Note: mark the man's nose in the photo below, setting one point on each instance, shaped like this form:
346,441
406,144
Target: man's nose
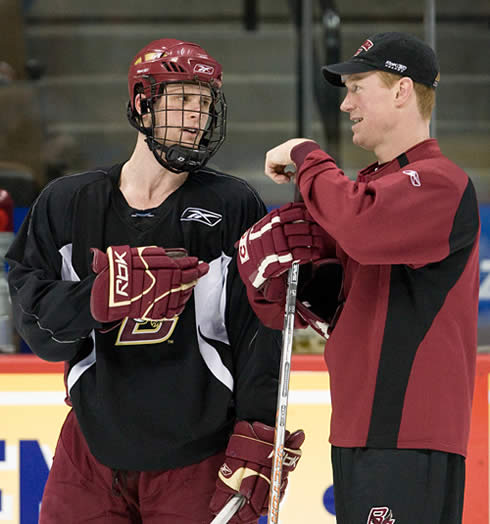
194,107
346,105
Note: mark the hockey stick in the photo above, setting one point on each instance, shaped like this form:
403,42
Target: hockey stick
238,500
229,509
282,394
283,390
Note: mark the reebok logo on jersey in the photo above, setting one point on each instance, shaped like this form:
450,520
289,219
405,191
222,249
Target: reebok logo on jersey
414,177
196,214
380,515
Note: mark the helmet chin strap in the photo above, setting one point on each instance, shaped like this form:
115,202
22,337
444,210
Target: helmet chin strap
178,159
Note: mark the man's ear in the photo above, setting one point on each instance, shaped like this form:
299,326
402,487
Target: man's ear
404,89
141,104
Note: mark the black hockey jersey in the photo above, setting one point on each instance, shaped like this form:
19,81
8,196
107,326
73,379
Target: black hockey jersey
154,395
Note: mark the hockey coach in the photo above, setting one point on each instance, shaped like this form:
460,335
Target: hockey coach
395,287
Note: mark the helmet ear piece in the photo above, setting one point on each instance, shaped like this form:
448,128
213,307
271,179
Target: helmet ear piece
144,105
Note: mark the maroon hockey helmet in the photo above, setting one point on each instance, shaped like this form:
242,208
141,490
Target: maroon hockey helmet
170,61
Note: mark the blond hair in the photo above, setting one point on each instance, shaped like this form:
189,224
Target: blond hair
425,95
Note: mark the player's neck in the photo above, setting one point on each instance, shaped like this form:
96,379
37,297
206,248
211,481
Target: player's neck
145,183
400,140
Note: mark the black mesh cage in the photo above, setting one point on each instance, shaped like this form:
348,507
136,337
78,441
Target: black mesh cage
184,122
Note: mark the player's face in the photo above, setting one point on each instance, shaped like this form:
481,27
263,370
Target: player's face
369,103
182,113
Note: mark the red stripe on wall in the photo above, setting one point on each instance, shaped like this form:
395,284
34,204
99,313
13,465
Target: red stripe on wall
477,489
28,364
32,364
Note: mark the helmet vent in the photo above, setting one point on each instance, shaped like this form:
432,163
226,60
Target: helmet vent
172,67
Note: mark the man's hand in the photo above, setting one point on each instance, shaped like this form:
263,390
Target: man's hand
247,469
278,158
269,248
147,283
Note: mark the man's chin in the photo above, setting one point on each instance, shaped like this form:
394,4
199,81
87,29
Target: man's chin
183,143
359,142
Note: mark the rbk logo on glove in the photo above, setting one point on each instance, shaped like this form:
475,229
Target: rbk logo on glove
118,292
147,283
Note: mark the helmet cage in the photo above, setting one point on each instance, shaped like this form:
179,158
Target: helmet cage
192,147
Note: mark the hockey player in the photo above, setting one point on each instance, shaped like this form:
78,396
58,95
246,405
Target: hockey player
402,313
129,276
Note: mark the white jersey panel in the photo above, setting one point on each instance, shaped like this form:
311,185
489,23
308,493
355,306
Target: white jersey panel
68,273
210,306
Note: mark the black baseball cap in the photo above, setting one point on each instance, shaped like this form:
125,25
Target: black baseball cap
399,53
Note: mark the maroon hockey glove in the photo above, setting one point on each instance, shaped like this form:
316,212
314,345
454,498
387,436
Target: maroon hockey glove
147,283
247,469
270,246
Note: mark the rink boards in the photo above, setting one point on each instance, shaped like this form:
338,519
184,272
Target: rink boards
32,410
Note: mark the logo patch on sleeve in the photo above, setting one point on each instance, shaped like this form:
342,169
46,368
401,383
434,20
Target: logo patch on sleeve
414,177
196,214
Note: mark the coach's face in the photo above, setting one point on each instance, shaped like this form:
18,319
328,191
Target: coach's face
371,109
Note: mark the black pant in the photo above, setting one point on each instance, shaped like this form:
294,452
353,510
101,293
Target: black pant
397,486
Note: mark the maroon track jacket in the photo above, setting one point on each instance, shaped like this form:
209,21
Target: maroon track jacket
402,355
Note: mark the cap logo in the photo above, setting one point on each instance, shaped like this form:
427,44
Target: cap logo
399,68
203,69
366,46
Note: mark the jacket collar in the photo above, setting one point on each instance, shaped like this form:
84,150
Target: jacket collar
426,149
